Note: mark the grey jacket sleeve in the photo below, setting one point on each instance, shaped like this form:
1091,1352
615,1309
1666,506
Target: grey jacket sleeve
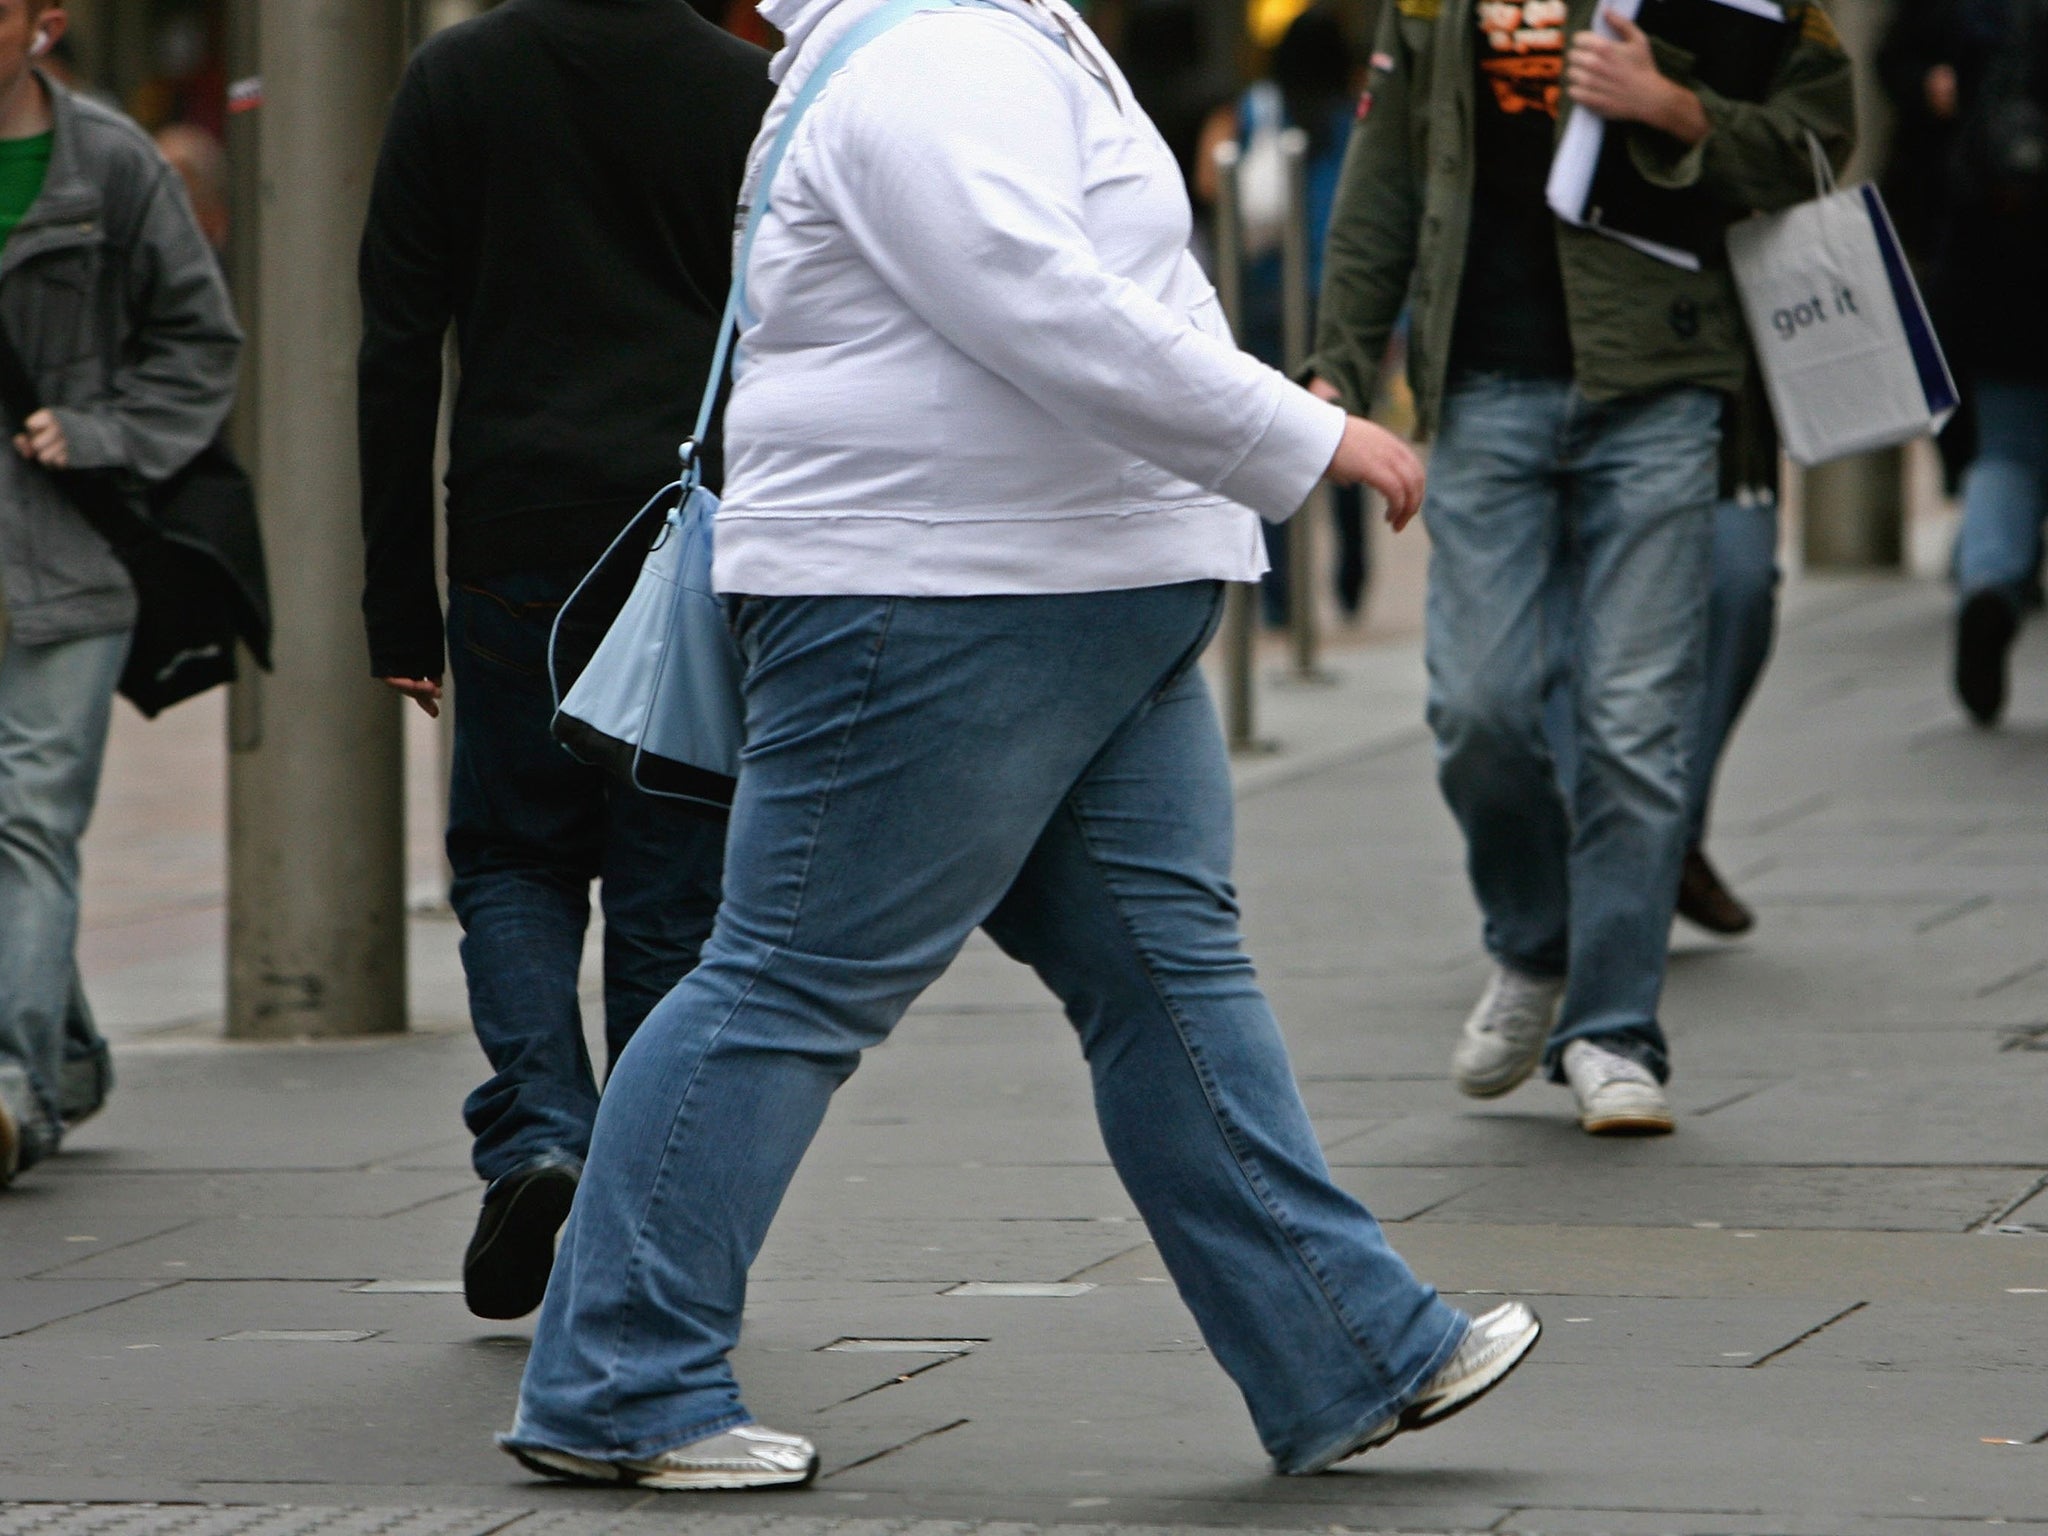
173,382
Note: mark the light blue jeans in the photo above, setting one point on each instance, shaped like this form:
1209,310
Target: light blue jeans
1742,623
1532,484
56,702
2005,496
1049,768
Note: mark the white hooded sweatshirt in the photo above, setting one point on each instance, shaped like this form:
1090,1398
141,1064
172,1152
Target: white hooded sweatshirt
980,358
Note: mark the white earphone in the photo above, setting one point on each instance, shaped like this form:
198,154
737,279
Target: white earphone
40,46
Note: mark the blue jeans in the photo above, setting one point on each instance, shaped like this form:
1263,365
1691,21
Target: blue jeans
1530,478
2005,496
1742,621
1050,768
529,828
56,702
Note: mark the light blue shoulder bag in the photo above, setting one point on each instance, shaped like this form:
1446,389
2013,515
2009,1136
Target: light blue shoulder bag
659,702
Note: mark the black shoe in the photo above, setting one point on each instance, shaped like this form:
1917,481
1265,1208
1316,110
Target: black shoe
505,1271
1704,901
1984,633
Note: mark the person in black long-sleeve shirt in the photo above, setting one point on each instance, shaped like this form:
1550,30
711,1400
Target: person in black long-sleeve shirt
1976,71
558,183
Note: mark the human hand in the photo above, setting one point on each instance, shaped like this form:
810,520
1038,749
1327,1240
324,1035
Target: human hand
1617,77
1323,389
1941,91
1371,455
423,691
41,441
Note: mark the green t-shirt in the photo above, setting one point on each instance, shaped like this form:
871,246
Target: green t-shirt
23,164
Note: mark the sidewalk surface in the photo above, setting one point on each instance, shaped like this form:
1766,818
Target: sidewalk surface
1821,1307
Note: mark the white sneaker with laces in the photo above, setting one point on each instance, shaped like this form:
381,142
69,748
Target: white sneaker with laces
748,1457
1618,1096
1503,1039
1497,1342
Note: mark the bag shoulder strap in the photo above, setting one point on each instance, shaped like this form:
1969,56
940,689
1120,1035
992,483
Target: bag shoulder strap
861,34
18,395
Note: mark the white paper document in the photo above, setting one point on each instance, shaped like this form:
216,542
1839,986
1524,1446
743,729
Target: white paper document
1585,136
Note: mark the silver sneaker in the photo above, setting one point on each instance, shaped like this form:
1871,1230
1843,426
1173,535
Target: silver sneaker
1617,1096
1503,1040
747,1457
1496,1343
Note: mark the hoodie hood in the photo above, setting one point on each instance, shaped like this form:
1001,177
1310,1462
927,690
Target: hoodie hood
796,20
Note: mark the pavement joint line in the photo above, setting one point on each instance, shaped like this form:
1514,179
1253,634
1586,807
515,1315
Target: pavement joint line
1812,1333
2029,1037
898,1380
144,1288
1731,1101
2014,979
1952,914
1776,821
54,1271
1997,1217
891,1450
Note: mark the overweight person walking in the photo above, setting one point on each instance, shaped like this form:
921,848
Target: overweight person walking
993,456
557,183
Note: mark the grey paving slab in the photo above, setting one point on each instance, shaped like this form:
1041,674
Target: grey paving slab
43,1230
345,1105
1405,1194
87,1184
1059,1193
1711,1332
250,1520
419,1244
30,1304
1906,1338
941,1250
1862,1199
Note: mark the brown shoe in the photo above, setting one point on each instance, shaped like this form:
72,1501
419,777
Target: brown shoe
1704,901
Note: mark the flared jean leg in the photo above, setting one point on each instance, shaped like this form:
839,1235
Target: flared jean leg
1126,910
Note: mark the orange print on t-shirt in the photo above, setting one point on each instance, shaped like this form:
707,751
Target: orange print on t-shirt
1522,54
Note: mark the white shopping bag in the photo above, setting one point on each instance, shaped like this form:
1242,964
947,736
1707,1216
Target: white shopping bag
1848,353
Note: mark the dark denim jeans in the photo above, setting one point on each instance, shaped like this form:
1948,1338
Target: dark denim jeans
1050,768
529,828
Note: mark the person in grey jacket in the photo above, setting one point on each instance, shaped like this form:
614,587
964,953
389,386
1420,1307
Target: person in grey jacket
117,306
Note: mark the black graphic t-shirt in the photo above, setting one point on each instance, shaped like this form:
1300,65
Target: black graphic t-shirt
1511,314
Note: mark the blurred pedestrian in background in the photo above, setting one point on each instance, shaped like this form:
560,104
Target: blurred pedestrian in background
1575,386
1312,84
116,308
994,456
558,182
201,162
1978,71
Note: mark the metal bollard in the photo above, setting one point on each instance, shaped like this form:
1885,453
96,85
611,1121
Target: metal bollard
1239,634
1296,306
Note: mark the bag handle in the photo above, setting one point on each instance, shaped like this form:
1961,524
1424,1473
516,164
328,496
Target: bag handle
1823,172
862,33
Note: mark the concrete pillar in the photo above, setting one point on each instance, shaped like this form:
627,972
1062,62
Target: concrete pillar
1855,509
316,884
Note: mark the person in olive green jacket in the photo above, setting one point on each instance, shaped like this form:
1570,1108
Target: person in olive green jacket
1575,388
